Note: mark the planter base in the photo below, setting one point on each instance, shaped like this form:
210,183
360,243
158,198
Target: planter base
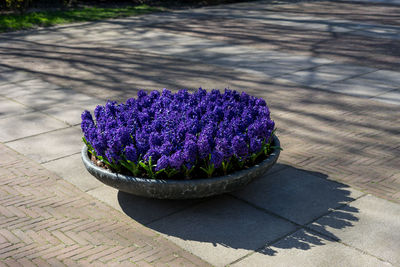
180,189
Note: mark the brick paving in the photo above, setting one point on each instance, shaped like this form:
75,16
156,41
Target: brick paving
45,221
344,138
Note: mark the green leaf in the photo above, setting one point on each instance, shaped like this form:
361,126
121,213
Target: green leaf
143,165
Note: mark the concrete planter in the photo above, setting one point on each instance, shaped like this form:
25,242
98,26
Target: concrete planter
180,189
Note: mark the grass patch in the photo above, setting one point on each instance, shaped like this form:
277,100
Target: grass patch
14,22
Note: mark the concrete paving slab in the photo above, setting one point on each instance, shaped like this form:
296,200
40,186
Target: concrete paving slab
142,210
50,98
374,231
163,43
25,125
222,229
51,145
260,13
217,53
9,108
385,2
326,74
267,68
379,32
305,248
388,77
72,169
243,56
360,86
297,195
4,69
14,76
32,86
71,113
392,97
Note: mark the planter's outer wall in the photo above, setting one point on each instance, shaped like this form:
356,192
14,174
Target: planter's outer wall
181,189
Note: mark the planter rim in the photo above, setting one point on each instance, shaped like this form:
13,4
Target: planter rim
271,158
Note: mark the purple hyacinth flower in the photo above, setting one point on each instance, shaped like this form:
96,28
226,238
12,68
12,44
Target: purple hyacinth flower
179,128
190,151
176,160
203,147
131,153
162,163
255,145
239,146
216,158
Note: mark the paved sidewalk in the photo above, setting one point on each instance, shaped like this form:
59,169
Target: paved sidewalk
46,221
328,70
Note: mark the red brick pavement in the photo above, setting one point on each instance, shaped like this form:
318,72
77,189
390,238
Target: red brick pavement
45,221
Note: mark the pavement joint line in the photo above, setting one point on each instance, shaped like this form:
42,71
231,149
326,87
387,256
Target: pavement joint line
354,76
356,28
34,135
17,114
301,227
330,82
289,220
23,80
260,74
267,244
383,93
201,201
361,2
347,245
273,214
308,87
34,110
46,73
62,157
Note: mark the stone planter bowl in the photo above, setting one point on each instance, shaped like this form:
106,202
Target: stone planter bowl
181,189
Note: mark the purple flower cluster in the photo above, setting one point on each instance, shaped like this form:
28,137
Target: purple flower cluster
179,130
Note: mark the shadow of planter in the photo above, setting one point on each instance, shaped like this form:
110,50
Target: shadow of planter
251,219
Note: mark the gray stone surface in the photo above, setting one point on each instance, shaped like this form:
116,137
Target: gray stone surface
305,248
266,63
25,125
261,14
71,113
4,69
369,224
391,78
392,97
143,210
222,229
385,2
163,42
71,169
50,98
297,195
13,76
326,74
22,88
360,86
51,145
10,108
